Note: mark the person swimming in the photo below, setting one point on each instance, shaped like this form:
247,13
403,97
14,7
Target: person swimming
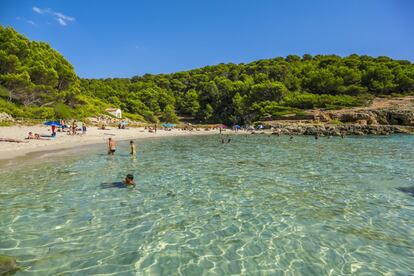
129,180
126,183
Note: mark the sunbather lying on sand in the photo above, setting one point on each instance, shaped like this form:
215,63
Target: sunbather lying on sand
12,140
30,136
35,137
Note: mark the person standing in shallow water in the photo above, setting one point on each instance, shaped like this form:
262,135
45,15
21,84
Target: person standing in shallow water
133,147
111,146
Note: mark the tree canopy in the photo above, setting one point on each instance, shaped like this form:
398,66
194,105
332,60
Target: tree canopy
33,75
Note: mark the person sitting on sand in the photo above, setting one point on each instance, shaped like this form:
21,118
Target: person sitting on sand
133,147
111,146
129,180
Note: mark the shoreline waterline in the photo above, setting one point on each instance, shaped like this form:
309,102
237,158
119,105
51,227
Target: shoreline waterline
13,151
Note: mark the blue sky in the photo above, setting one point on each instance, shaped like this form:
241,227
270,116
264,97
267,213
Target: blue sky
126,38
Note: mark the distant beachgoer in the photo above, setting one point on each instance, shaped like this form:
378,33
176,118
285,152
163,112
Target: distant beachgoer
129,180
74,126
220,130
31,136
342,135
84,128
53,131
37,137
155,128
228,140
111,146
316,136
222,140
133,148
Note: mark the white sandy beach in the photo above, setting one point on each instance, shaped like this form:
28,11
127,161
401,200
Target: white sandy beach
10,150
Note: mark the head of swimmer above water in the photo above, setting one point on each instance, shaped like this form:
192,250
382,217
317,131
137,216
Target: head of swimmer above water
129,179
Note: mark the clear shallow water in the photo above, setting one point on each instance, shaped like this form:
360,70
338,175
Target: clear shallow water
259,206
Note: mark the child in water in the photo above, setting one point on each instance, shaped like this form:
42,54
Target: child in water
129,180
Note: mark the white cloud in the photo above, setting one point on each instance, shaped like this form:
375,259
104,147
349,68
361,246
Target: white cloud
38,10
61,21
31,22
60,17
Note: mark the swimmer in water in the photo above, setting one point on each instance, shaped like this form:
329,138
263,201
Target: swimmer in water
129,180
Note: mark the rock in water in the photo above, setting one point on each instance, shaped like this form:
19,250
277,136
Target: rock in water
8,265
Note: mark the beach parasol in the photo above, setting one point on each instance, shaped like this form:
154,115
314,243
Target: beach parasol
53,123
237,126
168,125
124,123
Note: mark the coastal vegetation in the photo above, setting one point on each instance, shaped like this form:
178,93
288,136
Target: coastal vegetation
38,82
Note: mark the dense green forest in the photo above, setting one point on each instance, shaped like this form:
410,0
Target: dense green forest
37,82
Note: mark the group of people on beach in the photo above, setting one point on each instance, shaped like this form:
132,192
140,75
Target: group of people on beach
73,127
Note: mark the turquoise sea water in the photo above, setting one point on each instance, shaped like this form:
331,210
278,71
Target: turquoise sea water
258,206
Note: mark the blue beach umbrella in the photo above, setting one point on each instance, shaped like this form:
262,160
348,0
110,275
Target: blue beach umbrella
168,125
53,123
123,123
237,126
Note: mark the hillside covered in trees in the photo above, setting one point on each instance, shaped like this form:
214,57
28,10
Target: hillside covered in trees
37,82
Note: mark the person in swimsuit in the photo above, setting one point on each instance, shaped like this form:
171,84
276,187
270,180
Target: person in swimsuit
129,180
111,146
133,147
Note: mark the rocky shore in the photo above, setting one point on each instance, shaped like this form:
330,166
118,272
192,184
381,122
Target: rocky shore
383,117
336,130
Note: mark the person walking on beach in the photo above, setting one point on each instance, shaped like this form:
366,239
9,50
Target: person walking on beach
133,147
111,146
